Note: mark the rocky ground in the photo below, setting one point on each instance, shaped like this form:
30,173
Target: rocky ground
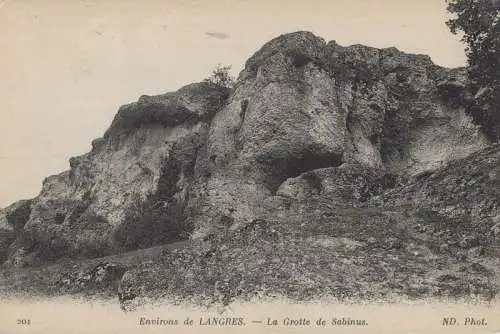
387,247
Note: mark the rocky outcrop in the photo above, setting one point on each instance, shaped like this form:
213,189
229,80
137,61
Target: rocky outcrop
130,189
306,119
302,104
12,220
465,191
344,184
7,236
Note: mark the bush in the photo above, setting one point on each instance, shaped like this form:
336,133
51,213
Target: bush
221,76
150,222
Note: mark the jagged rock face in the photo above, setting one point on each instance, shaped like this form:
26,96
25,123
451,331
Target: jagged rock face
136,176
301,104
12,220
306,118
404,116
468,191
7,236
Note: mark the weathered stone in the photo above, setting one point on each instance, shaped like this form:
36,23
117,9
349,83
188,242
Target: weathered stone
306,121
7,236
475,252
101,274
302,105
469,242
12,220
125,193
345,183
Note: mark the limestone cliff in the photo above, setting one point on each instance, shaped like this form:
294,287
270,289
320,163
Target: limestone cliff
144,160
305,118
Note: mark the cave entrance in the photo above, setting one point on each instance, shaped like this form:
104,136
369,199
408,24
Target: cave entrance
278,170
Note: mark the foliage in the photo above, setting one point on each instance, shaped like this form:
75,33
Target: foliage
479,21
149,222
221,76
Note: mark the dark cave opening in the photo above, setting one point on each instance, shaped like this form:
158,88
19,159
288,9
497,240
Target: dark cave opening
279,169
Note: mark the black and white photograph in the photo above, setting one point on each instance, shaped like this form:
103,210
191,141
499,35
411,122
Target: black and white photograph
214,154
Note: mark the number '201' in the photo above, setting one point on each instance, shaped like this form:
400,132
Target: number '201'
23,321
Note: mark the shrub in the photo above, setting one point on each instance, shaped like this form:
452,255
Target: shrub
151,222
221,76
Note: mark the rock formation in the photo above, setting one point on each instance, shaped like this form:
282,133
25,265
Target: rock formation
142,166
309,125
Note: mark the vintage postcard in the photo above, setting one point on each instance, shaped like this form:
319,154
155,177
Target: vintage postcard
324,166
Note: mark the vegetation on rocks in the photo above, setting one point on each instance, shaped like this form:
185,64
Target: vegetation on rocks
221,76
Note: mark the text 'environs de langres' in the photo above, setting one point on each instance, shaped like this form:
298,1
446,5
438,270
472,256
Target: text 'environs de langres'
239,321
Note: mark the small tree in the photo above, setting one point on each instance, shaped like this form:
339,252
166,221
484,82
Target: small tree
221,76
479,20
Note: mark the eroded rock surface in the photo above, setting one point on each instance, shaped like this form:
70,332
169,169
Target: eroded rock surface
12,220
302,104
308,123
130,189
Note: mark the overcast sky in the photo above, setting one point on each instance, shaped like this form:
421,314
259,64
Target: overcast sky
67,65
